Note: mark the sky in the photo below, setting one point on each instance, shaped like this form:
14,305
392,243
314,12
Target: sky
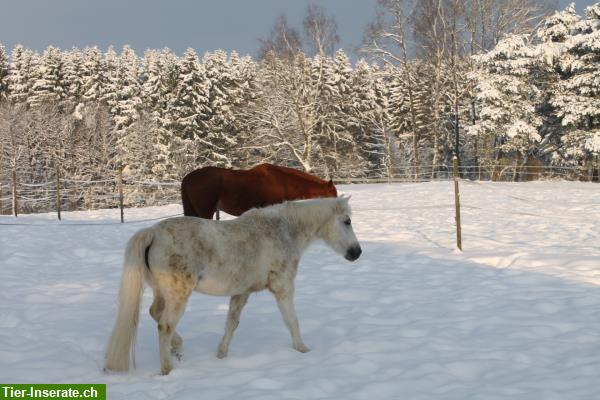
178,24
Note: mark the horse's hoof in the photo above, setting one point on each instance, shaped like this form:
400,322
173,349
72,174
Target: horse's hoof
302,348
177,354
221,354
165,371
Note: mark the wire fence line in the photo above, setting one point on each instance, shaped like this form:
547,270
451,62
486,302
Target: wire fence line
66,194
564,215
107,223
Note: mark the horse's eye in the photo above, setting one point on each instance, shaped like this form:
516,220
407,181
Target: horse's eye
347,222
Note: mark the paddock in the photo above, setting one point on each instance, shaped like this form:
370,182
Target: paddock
515,315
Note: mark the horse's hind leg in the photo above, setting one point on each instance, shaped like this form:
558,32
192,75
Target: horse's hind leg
236,304
156,310
175,297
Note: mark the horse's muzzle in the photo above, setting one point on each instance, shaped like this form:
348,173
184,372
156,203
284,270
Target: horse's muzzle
353,253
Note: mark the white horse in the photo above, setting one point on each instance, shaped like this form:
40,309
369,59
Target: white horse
259,250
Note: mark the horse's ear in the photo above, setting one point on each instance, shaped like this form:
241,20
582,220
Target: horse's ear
344,198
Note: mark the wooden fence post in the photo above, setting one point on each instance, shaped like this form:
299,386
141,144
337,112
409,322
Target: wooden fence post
15,205
120,183
58,191
457,204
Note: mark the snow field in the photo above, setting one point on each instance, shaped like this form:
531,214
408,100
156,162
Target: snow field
516,315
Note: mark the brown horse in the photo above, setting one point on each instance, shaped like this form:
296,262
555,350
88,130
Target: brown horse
210,189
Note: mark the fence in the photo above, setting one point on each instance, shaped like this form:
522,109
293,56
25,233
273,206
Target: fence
501,173
61,194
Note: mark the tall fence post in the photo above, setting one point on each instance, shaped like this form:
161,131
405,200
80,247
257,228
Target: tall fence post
58,191
120,183
15,205
457,204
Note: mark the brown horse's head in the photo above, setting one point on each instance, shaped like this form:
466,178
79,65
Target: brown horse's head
331,191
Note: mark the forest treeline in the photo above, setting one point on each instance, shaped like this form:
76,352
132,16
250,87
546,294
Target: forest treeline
437,80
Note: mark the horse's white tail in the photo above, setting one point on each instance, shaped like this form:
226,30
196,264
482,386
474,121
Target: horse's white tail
122,341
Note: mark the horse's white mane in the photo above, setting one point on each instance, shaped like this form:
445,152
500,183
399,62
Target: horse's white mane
310,209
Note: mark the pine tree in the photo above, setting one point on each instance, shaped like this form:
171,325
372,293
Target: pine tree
508,95
366,119
21,75
3,72
49,87
557,28
576,97
326,91
127,104
94,76
159,82
220,124
159,78
406,107
186,114
73,75
242,93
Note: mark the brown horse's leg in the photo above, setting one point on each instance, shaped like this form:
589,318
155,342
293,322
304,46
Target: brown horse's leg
207,210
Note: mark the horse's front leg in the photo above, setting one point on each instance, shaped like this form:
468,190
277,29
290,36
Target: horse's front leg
236,304
283,290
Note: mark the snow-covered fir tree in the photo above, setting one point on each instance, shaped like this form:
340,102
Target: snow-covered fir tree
159,82
4,63
508,96
330,90
407,110
49,86
73,75
21,77
557,28
242,91
127,103
576,97
94,76
186,115
367,118
221,97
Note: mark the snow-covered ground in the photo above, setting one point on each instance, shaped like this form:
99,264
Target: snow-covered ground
516,315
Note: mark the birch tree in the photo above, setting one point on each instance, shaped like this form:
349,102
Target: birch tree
388,40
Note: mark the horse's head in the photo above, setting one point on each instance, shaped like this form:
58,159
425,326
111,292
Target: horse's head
331,191
338,232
